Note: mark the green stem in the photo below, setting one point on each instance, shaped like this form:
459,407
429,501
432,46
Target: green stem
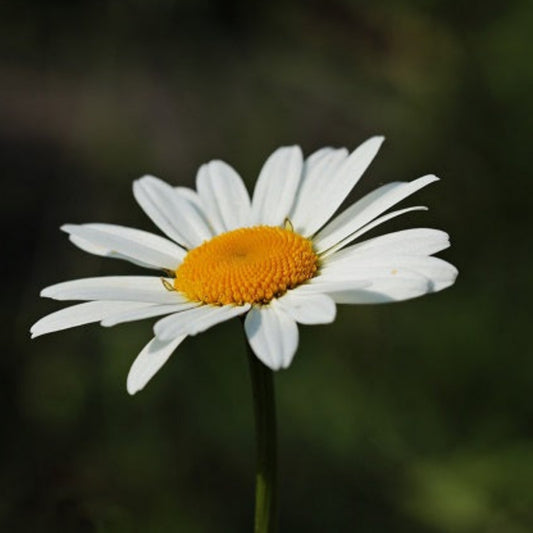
266,508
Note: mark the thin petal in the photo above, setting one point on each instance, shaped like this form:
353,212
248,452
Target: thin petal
173,213
418,241
276,186
137,246
272,334
224,196
317,171
341,183
366,209
145,312
365,229
196,320
148,289
77,315
308,308
152,357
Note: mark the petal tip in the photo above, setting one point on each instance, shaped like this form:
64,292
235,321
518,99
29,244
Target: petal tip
45,293
144,180
289,148
273,365
214,163
430,178
131,388
375,141
286,364
133,385
67,228
37,330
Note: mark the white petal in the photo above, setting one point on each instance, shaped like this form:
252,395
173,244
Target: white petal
438,272
276,186
148,289
224,196
308,308
321,285
366,209
172,212
383,291
418,241
137,246
77,315
152,357
391,278
389,282
366,271
341,183
190,195
145,312
272,334
196,320
313,159
365,229
317,172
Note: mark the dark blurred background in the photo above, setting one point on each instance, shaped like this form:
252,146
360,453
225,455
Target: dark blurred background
414,417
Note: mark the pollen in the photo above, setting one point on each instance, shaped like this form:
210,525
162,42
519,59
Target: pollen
246,265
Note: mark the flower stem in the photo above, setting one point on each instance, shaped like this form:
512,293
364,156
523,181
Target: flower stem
266,505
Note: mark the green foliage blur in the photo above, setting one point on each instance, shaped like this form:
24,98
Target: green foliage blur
415,417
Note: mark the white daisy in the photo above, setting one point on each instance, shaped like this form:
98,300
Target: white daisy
277,257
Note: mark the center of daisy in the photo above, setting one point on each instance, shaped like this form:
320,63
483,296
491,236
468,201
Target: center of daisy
247,265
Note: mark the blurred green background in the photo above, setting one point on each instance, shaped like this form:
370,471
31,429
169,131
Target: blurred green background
414,417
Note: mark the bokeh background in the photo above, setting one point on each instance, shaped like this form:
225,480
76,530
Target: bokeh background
415,417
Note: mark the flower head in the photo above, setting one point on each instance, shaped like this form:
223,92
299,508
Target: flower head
276,258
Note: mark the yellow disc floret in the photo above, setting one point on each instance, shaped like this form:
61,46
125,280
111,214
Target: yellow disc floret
247,265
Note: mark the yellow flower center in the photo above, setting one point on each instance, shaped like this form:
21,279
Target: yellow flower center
247,265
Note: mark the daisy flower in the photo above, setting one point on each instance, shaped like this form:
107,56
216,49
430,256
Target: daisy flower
280,257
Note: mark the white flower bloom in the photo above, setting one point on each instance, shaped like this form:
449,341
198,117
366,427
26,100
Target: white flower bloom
277,257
